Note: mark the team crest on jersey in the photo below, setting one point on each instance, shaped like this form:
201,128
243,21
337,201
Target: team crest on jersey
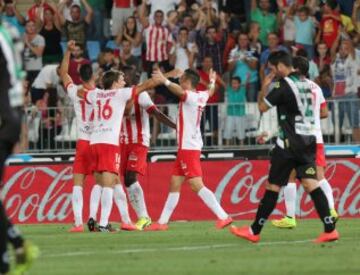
277,84
310,171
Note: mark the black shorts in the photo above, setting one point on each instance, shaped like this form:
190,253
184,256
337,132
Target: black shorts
284,161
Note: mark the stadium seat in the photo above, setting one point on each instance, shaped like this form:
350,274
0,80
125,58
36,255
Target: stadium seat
93,49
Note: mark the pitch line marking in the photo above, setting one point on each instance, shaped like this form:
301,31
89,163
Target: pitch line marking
179,248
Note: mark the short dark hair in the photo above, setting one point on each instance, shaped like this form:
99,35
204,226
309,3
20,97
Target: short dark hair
332,4
236,78
193,76
130,75
304,9
86,72
210,27
108,50
302,52
301,64
283,57
109,78
183,29
159,11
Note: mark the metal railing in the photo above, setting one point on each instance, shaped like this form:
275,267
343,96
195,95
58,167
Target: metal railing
223,126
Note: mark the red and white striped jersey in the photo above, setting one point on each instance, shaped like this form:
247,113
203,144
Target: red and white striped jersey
191,108
319,103
84,112
136,127
157,40
109,107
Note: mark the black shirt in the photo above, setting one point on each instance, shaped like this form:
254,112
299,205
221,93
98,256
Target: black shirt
293,98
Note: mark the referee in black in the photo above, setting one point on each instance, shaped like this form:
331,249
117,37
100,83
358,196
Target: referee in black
295,146
11,104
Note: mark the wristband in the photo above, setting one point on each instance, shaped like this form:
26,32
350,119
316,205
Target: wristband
167,82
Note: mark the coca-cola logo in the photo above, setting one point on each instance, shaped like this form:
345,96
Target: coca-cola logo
242,187
38,192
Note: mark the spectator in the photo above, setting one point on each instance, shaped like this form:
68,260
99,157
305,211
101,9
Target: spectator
323,57
157,50
65,7
48,78
356,15
107,60
75,63
345,70
329,24
243,64
188,23
164,5
273,42
212,45
305,30
236,116
127,58
325,81
122,9
254,33
76,29
211,111
33,52
184,52
130,33
51,31
12,15
313,68
37,10
234,30
265,18
96,27
286,20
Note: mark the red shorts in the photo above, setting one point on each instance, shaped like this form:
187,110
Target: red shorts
133,158
82,157
105,158
187,164
320,155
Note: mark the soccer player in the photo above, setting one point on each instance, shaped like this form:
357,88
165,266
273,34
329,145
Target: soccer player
84,115
109,106
295,146
134,145
11,101
321,111
187,165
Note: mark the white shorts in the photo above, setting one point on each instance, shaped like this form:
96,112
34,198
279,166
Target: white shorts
235,127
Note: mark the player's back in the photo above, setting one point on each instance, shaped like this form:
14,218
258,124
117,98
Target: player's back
191,108
109,107
136,126
84,113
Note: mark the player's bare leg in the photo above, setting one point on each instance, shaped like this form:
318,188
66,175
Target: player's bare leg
77,203
317,195
122,205
208,197
170,204
108,181
137,199
94,202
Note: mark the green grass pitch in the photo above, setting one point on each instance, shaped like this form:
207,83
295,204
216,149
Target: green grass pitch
195,248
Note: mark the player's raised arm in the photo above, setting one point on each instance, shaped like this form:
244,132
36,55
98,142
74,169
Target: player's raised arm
212,85
173,87
64,68
263,106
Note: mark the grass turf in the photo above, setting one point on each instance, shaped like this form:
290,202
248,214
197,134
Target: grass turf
195,248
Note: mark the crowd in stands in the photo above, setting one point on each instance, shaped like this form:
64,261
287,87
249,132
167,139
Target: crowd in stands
234,37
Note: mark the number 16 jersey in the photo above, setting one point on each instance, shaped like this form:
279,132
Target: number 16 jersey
109,107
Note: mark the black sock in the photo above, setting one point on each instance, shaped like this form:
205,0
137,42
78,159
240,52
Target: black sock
14,236
322,207
266,206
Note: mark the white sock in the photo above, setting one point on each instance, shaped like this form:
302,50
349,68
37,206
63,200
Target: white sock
137,200
77,204
290,199
106,205
325,186
121,203
95,200
170,204
209,199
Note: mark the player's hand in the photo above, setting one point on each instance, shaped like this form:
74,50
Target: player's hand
71,45
262,139
268,79
158,76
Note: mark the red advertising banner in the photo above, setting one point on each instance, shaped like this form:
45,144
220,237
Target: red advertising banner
42,193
